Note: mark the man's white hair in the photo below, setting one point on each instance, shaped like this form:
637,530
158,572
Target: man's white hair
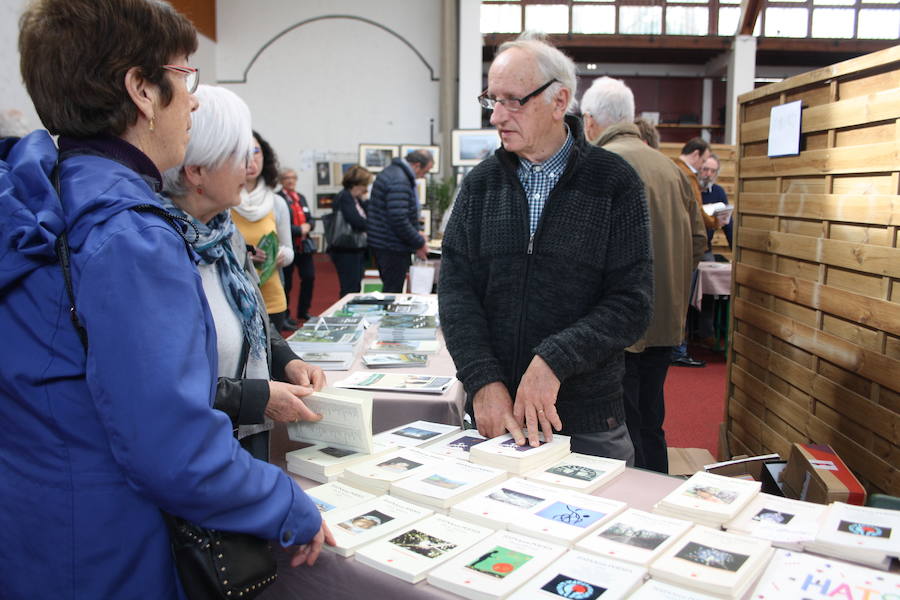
552,63
608,101
221,131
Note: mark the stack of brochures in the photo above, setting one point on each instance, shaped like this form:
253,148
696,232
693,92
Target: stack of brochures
784,522
581,575
334,495
503,452
446,482
580,472
332,339
862,534
362,523
377,475
417,433
323,463
329,361
712,561
329,322
415,346
635,536
457,445
412,552
400,328
708,499
397,382
388,360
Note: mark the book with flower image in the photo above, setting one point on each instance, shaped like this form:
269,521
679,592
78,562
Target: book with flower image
566,517
362,523
416,433
583,576
506,502
410,553
503,452
456,445
635,536
862,534
446,483
580,472
397,382
708,499
712,561
495,567
786,523
334,495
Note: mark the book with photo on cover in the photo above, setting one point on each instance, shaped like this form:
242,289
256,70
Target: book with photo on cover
791,575
389,360
660,590
329,361
415,346
397,382
377,474
413,551
358,525
323,463
334,495
416,433
708,499
346,420
456,445
506,502
580,472
863,534
784,522
338,339
495,567
567,518
635,536
503,452
585,577
711,561
446,483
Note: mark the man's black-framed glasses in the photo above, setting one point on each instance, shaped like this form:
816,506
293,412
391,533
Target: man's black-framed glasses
511,104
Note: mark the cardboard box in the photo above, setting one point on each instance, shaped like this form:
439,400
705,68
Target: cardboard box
816,473
742,466
687,461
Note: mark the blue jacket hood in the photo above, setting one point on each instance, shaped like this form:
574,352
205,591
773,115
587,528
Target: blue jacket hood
31,214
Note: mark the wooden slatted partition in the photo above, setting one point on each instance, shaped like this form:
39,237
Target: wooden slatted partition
815,345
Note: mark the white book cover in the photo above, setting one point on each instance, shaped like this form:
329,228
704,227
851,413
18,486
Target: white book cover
713,561
446,482
329,361
336,495
635,536
322,461
346,420
363,523
567,517
583,576
410,553
793,575
862,528
495,567
386,360
782,521
417,433
456,445
715,495
380,472
397,382
502,451
660,590
580,472
417,346
505,502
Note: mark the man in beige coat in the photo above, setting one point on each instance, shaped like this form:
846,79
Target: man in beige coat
679,240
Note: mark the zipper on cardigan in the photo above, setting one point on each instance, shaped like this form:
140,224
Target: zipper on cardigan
531,244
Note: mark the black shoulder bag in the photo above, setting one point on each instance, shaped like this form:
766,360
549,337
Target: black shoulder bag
212,564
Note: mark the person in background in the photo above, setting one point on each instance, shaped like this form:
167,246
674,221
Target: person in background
648,132
393,231
259,214
679,241
711,192
251,353
108,407
546,271
350,263
302,223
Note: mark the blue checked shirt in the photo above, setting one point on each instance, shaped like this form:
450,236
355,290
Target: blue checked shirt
539,179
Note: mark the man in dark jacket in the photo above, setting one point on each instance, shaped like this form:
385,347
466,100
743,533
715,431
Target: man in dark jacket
546,270
394,218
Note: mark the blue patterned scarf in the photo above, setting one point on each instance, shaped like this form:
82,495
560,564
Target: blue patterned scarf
214,247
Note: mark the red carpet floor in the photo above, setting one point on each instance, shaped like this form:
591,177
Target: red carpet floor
695,397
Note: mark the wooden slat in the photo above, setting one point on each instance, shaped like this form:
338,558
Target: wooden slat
831,161
858,458
875,209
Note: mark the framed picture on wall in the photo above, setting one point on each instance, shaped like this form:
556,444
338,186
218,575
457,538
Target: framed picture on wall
338,169
375,157
323,173
471,146
434,150
325,200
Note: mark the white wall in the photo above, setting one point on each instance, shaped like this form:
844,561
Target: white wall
12,91
330,85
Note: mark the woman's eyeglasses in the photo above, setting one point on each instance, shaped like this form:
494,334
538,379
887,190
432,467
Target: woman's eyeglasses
191,76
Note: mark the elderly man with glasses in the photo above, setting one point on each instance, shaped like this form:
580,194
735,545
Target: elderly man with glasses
546,275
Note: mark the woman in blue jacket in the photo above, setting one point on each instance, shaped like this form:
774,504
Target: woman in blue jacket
100,437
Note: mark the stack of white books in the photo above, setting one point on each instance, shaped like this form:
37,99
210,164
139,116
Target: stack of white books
456,445
399,328
503,452
792,575
329,361
415,346
495,567
336,495
784,522
411,307
580,472
413,551
357,525
397,382
708,499
446,483
862,534
323,463
346,420
417,433
714,562
377,475
566,517
505,502
392,360
333,339
635,536
660,590
581,575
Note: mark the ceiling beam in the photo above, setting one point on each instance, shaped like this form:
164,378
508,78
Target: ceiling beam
750,10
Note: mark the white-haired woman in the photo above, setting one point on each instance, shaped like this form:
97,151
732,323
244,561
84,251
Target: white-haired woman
203,189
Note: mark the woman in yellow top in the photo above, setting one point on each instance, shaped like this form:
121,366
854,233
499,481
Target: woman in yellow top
260,214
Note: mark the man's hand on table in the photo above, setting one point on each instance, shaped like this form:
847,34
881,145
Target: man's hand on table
493,409
535,404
